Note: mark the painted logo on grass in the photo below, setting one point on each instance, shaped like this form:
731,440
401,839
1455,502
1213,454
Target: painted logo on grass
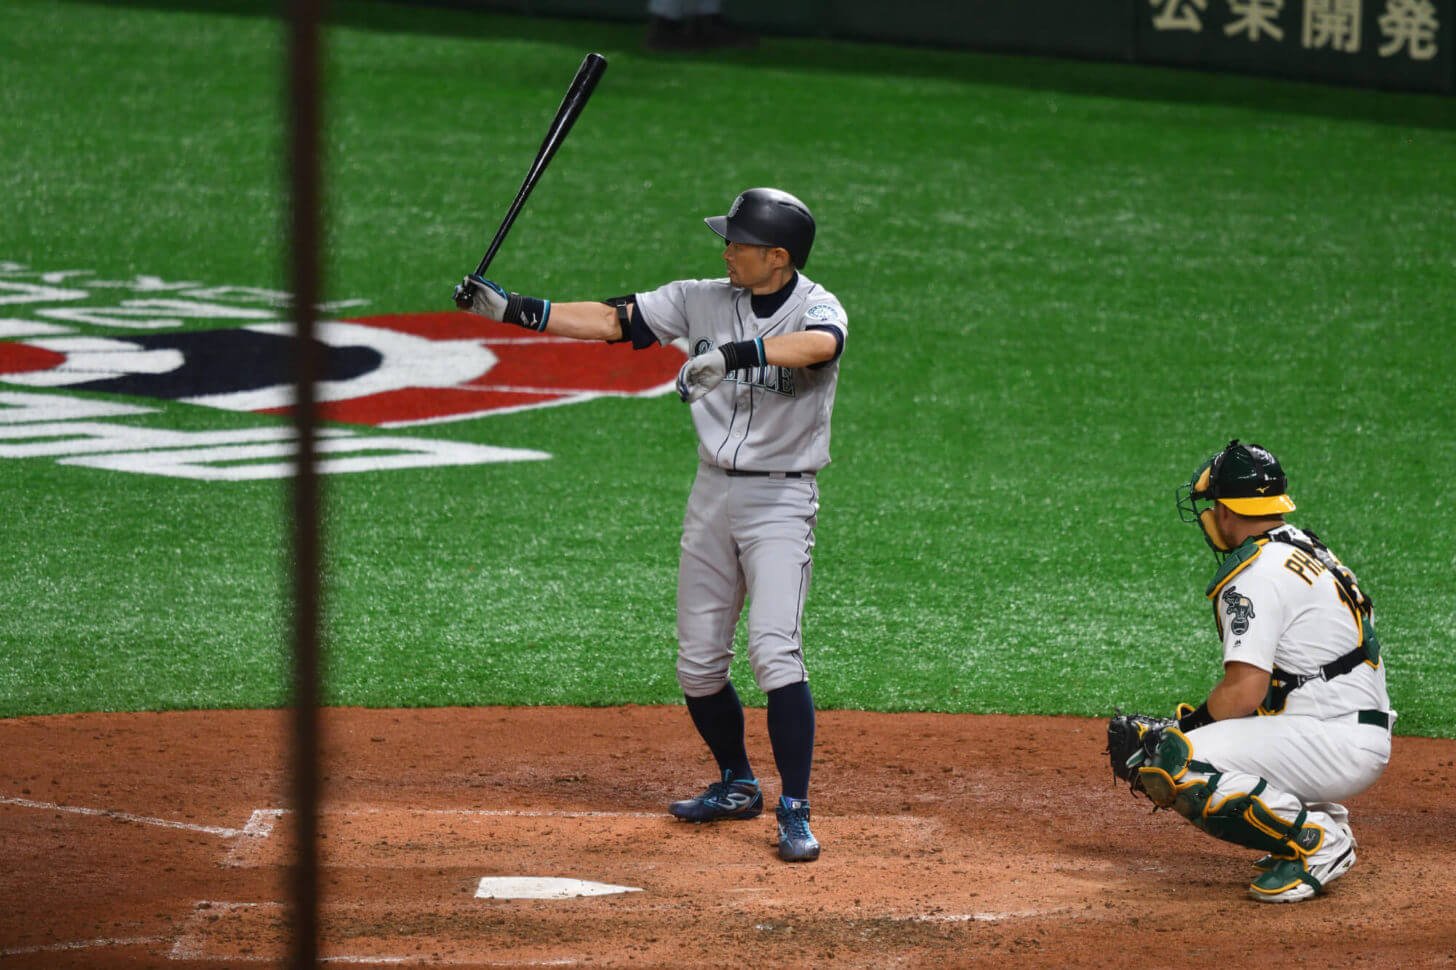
72,342
387,371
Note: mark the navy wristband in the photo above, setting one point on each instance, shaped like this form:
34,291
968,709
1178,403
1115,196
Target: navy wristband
743,354
527,311
1197,719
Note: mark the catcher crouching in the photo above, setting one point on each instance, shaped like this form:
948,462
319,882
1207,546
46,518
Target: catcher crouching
1301,719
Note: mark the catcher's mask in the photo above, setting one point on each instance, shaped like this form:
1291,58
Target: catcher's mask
1245,479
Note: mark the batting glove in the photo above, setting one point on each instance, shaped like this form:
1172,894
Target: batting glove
486,298
700,375
480,295
706,371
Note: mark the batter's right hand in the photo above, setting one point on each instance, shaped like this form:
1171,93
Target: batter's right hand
479,295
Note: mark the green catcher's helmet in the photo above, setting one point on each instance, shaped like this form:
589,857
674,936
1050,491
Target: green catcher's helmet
1246,479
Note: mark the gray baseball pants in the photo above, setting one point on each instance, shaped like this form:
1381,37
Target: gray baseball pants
744,536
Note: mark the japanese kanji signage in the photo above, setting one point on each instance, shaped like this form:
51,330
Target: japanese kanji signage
1396,43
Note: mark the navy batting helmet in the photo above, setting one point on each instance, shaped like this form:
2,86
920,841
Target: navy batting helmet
768,217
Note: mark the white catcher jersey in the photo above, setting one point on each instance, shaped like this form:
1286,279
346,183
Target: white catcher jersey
1282,607
773,419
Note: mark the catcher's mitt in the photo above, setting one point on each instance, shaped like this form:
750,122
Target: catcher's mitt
1133,734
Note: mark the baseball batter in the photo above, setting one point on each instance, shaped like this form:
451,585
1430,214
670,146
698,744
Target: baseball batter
1301,720
764,346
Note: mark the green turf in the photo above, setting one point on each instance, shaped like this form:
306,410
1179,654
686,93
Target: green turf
1067,284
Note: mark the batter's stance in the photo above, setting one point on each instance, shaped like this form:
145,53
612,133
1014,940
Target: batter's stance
765,345
1299,651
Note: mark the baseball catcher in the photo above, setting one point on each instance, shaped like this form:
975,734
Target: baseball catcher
1301,719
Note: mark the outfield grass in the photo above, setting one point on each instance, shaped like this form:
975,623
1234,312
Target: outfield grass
1067,284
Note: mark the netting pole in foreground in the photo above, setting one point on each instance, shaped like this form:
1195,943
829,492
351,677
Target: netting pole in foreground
304,100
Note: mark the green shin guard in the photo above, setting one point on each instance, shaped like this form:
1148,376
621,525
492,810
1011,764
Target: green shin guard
1240,817
1244,819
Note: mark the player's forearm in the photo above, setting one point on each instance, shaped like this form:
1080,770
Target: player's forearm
1224,704
579,321
584,321
800,349
1239,693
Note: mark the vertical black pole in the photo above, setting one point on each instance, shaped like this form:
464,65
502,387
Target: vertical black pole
305,166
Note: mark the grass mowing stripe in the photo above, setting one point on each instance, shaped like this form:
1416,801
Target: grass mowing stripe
1067,284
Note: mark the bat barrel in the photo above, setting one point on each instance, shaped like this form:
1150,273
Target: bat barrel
593,66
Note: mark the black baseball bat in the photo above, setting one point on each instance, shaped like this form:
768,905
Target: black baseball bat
593,66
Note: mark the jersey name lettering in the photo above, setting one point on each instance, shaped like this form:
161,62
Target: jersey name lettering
1304,566
780,380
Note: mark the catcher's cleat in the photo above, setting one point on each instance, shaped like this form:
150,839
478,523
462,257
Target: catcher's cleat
796,842
1295,880
726,799
1266,862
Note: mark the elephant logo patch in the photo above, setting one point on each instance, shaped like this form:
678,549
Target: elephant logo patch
1240,611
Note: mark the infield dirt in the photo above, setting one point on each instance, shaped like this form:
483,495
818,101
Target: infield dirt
159,840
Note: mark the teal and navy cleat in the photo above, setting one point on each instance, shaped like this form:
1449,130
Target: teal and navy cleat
796,842
726,799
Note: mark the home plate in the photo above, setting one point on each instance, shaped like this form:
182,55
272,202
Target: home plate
544,887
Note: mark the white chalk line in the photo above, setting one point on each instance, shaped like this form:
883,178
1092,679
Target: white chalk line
217,830
565,813
19,951
985,917
542,813
259,827
262,821
493,813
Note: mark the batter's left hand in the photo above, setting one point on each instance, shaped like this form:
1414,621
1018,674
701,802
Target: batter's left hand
480,295
700,375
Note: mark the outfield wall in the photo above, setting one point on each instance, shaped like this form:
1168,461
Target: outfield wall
1403,44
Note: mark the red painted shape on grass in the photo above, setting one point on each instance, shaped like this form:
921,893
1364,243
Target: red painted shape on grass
531,370
20,358
392,370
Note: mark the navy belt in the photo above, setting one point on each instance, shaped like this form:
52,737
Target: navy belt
745,474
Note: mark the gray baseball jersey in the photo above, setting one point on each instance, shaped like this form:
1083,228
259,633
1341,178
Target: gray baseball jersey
749,527
770,418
